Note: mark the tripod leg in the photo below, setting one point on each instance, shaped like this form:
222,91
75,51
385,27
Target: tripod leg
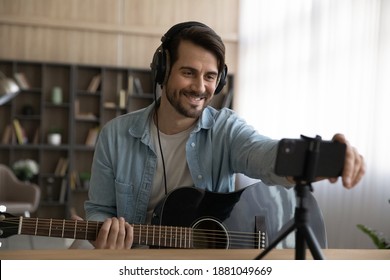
300,245
312,243
282,236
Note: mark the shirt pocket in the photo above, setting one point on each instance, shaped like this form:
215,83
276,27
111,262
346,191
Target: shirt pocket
125,200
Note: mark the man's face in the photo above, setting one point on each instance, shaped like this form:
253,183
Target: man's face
192,80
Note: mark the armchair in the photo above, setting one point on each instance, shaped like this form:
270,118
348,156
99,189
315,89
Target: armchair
19,198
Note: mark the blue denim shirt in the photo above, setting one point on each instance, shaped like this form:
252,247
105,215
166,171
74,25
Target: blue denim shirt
220,145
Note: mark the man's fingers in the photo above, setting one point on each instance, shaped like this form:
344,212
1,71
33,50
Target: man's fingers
354,165
129,235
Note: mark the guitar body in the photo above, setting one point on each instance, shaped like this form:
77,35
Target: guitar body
249,218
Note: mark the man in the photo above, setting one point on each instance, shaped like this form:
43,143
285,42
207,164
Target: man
180,141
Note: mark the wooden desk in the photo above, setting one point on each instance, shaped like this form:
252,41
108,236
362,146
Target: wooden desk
186,254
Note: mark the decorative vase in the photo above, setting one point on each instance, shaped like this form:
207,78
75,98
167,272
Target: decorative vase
54,139
56,96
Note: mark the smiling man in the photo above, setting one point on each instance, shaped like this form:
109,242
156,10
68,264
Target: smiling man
180,141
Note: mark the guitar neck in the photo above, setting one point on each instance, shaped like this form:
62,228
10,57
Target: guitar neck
151,235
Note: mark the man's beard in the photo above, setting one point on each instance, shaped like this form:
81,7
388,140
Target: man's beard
189,113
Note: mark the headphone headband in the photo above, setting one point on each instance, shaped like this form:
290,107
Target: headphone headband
167,37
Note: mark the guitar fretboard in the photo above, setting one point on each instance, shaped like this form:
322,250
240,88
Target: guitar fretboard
151,235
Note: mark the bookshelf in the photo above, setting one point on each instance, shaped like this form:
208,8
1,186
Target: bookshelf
91,95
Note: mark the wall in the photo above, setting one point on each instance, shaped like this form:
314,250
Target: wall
115,32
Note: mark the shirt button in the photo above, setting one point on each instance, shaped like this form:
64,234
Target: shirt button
192,144
200,177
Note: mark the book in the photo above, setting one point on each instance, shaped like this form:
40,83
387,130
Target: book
36,137
138,86
86,117
64,167
94,84
92,136
83,116
61,167
58,166
19,131
130,85
109,105
122,99
7,135
74,181
22,80
64,186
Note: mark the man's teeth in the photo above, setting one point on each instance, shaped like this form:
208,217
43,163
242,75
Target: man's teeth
196,98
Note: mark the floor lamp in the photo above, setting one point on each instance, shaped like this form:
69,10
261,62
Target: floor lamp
8,89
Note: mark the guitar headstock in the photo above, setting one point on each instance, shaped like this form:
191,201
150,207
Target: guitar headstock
9,225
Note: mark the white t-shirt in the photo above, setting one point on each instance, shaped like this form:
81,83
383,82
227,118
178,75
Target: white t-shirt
177,171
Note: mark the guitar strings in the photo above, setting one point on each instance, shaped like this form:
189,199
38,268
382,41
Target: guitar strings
32,223
168,233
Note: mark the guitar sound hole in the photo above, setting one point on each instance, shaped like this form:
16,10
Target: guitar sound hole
210,234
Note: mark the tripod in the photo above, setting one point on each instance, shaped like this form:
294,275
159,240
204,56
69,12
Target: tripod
304,234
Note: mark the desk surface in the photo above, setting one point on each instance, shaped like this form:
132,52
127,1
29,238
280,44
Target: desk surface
186,254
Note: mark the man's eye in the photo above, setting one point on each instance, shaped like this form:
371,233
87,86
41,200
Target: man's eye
211,78
187,73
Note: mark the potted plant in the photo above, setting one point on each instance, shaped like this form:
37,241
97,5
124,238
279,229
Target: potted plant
85,177
377,237
25,169
54,136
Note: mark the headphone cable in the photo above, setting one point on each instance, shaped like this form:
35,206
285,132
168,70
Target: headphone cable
159,139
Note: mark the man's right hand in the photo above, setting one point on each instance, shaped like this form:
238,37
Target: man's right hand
115,233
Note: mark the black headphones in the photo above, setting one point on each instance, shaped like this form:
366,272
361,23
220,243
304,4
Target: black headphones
161,61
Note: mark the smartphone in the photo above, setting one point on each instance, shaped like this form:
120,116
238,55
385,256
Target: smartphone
293,154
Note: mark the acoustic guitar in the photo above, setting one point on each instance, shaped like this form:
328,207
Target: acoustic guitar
187,218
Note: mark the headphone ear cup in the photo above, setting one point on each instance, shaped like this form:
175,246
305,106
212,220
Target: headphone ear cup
158,66
222,80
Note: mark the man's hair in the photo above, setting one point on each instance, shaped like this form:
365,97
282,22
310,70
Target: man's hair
201,36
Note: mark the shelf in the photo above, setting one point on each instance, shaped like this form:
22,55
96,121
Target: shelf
90,97
83,91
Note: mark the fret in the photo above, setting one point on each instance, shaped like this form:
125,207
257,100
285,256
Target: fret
20,225
176,238
86,231
97,230
56,228
185,238
153,234
181,236
159,237
36,226
80,229
147,231
23,228
68,229
165,237
139,237
170,244
189,239
75,229
51,221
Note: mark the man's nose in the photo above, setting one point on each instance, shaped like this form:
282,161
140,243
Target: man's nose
198,85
